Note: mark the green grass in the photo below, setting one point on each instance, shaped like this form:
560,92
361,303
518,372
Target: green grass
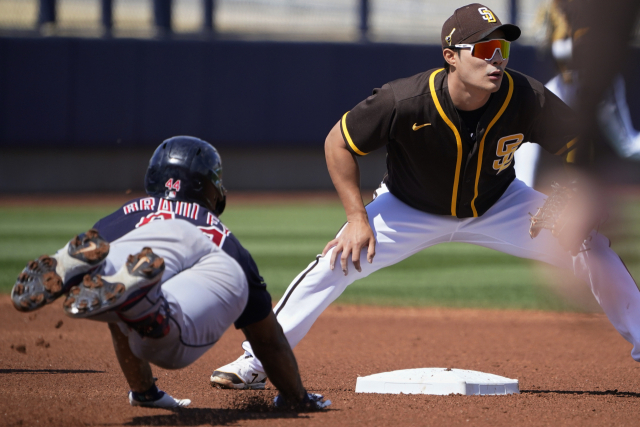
287,238
26,233
284,239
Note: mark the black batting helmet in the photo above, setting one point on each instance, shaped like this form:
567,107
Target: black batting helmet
188,169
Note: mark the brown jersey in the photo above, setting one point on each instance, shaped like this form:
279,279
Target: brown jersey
433,164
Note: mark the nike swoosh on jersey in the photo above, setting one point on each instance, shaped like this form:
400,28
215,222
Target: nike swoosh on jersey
416,127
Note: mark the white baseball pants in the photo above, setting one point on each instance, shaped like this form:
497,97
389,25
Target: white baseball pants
206,291
402,231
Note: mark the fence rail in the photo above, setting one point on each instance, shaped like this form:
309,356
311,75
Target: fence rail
412,21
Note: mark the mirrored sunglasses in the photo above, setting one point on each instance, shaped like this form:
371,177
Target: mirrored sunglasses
486,50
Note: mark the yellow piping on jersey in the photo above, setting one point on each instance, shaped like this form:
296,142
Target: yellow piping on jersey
481,149
454,197
346,133
566,147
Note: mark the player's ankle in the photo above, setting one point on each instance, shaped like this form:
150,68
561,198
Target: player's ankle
150,395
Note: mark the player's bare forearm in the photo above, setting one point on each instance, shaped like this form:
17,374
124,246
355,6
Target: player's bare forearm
345,175
136,371
270,345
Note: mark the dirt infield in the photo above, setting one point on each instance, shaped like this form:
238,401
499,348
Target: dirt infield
574,370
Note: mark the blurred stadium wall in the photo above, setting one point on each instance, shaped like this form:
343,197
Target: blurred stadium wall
88,88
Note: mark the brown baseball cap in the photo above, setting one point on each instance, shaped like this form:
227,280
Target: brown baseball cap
473,22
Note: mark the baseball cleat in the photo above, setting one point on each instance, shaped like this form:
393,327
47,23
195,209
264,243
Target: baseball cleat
97,294
165,402
239,375
44,279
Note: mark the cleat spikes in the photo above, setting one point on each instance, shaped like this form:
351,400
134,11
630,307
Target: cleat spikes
121,290
52,282
45,279
47,262
87,280
148,272
117,291
68,302
93,282
89,247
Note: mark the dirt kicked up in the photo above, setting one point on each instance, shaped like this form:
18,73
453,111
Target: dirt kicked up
574,370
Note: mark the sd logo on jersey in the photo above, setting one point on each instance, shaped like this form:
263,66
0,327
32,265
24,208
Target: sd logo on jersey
507,146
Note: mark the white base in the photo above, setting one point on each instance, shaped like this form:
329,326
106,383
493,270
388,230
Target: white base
436,381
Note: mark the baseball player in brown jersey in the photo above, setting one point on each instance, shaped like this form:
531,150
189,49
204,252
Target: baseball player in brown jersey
450,135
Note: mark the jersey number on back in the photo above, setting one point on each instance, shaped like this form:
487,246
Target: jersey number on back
214,234
156,216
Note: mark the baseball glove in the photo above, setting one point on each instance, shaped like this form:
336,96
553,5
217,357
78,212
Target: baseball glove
550,215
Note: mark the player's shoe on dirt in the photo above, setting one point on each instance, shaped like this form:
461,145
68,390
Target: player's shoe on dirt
44,279
160,400
239,375
97,294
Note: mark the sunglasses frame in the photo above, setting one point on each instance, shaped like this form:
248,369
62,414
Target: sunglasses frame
472,47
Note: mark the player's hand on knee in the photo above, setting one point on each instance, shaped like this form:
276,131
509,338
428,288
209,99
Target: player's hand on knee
332,244
371,249
335,243
370,244
344,264
355,236
339,248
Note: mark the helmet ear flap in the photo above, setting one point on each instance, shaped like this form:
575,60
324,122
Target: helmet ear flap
220,205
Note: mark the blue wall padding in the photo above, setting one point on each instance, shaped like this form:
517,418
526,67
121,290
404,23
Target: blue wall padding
87,93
